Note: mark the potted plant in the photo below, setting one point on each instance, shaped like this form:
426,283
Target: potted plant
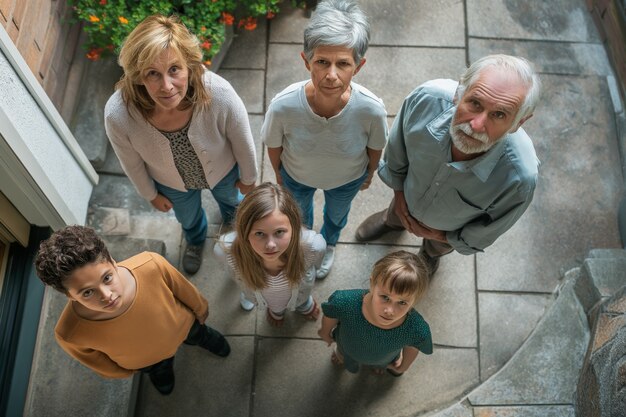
108,22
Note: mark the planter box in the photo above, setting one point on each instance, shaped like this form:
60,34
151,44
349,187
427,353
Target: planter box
216,62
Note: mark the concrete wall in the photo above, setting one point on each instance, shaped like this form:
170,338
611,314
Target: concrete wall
610,18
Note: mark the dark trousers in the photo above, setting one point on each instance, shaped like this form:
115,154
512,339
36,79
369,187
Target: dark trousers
199,334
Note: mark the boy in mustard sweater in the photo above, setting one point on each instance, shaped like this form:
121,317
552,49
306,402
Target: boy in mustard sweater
123,317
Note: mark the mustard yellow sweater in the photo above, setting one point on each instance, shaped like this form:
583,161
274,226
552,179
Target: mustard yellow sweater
153,327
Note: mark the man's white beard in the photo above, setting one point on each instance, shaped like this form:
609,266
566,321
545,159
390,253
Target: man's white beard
463,145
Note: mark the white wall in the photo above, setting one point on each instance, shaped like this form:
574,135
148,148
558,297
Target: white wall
42,170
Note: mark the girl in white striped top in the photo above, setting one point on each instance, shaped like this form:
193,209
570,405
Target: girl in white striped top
271,256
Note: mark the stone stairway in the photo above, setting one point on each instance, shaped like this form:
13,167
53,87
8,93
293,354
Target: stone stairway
541,378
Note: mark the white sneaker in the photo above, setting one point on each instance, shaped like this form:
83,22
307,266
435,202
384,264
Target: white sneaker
327,263
245,303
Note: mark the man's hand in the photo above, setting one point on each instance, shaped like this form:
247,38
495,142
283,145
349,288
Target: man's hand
413,225
161,203
402,211
430,233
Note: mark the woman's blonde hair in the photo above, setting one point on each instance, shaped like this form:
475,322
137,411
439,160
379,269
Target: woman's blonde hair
141,48
257,204
402,272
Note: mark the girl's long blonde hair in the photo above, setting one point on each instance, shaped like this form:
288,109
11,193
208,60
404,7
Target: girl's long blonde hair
141,48
257,204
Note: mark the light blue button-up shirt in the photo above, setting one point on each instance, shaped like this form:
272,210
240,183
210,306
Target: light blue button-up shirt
473,201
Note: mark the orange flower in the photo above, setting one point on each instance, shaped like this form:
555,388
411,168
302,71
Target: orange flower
203,28
94,54
249,23
103,2
207,62
123,20
228,18
206,45
93,19
270,15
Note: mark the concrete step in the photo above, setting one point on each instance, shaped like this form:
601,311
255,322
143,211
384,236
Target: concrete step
111,163
540,379
59,383
607,253
163,231
586,291
601,388
88,122
123,247
608,274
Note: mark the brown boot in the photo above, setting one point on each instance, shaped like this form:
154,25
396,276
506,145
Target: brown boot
373,227
431,261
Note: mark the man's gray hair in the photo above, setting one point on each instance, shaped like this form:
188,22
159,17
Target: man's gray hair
337,23
517,65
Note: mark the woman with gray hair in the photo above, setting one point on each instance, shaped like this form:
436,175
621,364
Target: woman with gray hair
328,132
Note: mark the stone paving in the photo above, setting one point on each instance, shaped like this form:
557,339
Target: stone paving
480,308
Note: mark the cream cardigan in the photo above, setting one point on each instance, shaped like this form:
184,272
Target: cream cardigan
220,135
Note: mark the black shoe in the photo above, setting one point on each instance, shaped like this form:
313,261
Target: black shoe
431,261
373,227
215,343
162,376
192,258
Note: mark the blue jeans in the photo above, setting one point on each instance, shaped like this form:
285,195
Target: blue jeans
337,203
188,210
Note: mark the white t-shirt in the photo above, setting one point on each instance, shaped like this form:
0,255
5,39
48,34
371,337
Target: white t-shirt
320,152
314,248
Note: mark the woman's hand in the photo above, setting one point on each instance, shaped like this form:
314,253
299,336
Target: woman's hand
243,188
368,181
161,203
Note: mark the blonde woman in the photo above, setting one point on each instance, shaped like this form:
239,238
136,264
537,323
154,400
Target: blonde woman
178,128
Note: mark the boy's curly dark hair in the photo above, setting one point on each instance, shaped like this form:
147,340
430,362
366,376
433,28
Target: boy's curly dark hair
66,250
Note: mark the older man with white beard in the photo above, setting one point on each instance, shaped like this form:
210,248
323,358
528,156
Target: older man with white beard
462,170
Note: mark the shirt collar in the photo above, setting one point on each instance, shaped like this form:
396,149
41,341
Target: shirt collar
484,165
